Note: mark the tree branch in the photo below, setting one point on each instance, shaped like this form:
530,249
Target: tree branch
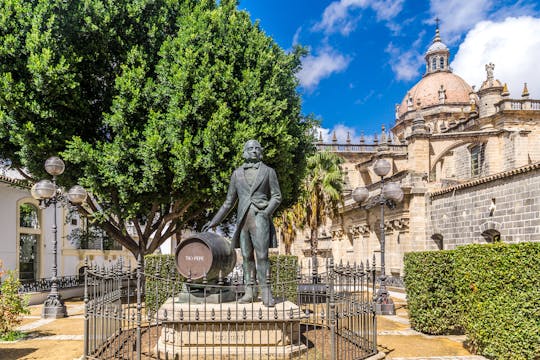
24,175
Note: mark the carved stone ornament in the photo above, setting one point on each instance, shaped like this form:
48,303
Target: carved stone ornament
357,230
396,225
338,234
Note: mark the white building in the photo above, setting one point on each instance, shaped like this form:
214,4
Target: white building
26,237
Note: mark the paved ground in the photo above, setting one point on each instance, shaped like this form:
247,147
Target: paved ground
62,339
400,342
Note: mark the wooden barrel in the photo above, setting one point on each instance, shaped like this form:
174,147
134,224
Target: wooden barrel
204,253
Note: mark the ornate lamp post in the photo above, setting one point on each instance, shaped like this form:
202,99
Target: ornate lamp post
48,193
391,193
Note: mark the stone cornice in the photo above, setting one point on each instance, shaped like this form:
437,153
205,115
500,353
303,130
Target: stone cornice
486,179
15,182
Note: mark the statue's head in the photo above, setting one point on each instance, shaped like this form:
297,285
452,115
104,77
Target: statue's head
252,151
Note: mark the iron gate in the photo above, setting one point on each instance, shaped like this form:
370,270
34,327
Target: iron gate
318,316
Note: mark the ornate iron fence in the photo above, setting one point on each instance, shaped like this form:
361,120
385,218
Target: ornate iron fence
331,319
45,284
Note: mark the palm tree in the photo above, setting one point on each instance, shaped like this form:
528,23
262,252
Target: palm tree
288,224
320,199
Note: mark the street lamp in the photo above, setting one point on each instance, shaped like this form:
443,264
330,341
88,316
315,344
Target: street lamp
48,193
391,194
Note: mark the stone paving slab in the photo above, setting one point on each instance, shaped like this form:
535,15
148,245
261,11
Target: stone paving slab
59,338
398,319
35,324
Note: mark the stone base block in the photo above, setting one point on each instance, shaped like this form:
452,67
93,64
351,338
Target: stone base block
239,330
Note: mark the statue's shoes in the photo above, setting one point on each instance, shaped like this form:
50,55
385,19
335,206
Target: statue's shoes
246,299
269,302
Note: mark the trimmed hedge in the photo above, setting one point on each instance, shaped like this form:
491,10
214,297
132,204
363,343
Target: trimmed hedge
283,272
498,291
431,299
492,291
163,281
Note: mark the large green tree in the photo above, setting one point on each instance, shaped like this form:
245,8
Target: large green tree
149,102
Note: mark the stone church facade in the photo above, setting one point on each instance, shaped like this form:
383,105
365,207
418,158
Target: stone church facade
467,160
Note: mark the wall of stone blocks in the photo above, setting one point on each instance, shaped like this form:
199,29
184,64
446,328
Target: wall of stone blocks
462,215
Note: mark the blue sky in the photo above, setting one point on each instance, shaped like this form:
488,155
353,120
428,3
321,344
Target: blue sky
366,54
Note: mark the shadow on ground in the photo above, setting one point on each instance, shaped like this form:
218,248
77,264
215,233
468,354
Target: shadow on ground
14,354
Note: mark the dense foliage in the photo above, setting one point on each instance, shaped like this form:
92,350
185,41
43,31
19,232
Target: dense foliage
12,304
431,298
491,291
283,276
149,102
499,297
162,280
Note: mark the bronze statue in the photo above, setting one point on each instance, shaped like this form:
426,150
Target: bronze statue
256,188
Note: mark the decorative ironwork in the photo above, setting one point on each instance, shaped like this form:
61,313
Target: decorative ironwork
333,318
45,284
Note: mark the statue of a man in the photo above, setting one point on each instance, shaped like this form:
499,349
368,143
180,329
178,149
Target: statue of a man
256,188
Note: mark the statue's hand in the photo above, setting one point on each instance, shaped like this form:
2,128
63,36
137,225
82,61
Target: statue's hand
207,226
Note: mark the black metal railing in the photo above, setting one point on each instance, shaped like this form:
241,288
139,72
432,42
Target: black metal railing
332,318
45,284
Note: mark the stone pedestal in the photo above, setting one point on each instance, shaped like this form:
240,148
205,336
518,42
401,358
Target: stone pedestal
229,329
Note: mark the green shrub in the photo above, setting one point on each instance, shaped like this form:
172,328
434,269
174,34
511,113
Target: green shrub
491,291
12,304
162,280
498,291
431,293
283,273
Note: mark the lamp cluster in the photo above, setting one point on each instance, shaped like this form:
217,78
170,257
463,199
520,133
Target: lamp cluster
391,193
48,193
45,190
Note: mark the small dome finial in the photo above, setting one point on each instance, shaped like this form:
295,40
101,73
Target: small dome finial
348,137
437,37
334,137
505,91
525,92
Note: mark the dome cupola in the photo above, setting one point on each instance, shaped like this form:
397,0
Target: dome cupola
437,55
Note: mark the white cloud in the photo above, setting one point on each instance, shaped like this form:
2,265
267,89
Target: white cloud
405,64
512,45
320,66
296,36
341,134
458,16
338,17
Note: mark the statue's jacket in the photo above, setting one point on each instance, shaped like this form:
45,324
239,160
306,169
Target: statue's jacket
264,194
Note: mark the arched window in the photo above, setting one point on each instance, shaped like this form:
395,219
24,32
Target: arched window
491,235
438,240
29,240
434,63
441,62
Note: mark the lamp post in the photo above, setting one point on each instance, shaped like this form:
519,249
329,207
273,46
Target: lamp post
48,193
391,193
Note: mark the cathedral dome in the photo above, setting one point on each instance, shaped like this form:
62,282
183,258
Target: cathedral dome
436,88
439,85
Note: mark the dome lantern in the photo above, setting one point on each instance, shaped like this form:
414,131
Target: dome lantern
437,54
